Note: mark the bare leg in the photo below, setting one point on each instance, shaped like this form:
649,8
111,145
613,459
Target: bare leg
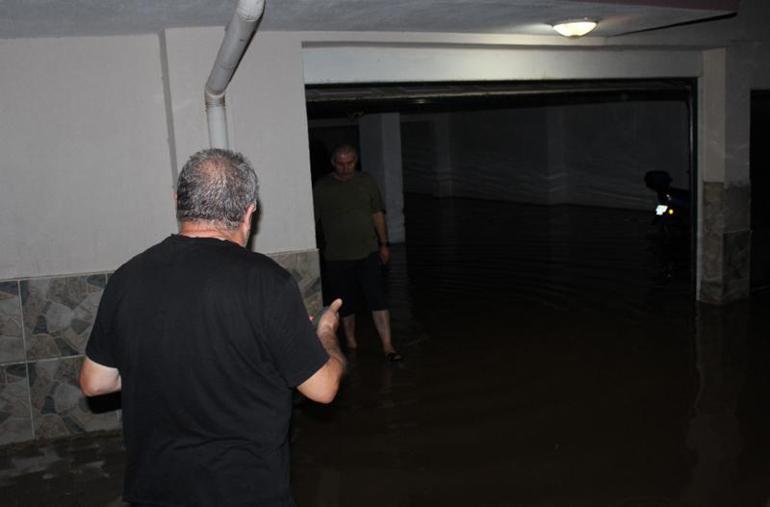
381,320
349,324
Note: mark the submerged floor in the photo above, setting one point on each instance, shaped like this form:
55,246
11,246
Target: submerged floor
553,358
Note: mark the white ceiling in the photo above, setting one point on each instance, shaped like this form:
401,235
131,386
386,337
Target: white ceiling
54,18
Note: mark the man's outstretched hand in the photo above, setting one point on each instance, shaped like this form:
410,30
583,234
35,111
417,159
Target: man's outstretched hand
330,321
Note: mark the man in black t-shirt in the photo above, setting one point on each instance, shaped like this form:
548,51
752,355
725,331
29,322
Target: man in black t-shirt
206,340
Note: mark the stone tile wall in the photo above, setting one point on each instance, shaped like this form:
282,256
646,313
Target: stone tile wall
44,328
725,243
304,266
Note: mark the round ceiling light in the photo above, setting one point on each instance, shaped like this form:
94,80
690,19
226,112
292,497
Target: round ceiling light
575,27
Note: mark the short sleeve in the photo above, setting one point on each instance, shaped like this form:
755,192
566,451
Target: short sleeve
375,198
102,346
293,342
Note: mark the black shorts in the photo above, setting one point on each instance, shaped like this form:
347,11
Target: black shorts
349,279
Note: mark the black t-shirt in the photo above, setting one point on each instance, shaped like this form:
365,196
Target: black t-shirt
209,339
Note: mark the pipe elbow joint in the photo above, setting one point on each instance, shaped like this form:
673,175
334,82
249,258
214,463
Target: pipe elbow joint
213,99
250,10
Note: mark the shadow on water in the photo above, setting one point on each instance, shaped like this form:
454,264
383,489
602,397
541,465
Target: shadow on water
554,357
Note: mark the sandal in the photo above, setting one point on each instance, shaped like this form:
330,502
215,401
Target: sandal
394,357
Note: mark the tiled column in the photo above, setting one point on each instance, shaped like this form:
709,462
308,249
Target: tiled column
724,235
380,140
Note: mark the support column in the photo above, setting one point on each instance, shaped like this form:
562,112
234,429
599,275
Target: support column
723,229
380,141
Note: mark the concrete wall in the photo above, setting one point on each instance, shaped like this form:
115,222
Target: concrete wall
85,181
400,61
93,131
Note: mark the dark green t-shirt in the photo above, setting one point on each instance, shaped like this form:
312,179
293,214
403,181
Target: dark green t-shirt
345,210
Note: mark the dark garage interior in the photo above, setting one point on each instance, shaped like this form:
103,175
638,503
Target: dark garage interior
579,256
555,351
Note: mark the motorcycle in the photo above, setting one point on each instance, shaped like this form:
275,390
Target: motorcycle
672,214
672,221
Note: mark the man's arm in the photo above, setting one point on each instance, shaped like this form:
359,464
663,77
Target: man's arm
381,227
322,386
97,379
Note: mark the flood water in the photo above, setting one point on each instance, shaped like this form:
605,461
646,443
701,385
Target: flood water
554,357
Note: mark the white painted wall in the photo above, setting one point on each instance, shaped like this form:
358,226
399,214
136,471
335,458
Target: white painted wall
267,119
188,57
87,169
85,179
359,63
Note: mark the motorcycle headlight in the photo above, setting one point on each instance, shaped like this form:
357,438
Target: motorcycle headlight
661,209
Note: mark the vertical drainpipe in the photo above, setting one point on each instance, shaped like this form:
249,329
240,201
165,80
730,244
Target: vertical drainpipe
237,35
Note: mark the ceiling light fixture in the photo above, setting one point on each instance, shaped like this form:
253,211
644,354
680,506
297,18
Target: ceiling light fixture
575,27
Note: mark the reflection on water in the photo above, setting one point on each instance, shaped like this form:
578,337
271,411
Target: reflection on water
554,357
714,433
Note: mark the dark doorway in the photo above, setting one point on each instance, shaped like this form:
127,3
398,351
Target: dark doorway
560,146
760,190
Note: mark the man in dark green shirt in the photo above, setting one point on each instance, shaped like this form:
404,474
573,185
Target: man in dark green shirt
349,208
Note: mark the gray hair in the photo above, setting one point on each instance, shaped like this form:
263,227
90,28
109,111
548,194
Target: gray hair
216,186
343,148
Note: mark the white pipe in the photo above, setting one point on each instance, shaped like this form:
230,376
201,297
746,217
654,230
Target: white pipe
239,32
